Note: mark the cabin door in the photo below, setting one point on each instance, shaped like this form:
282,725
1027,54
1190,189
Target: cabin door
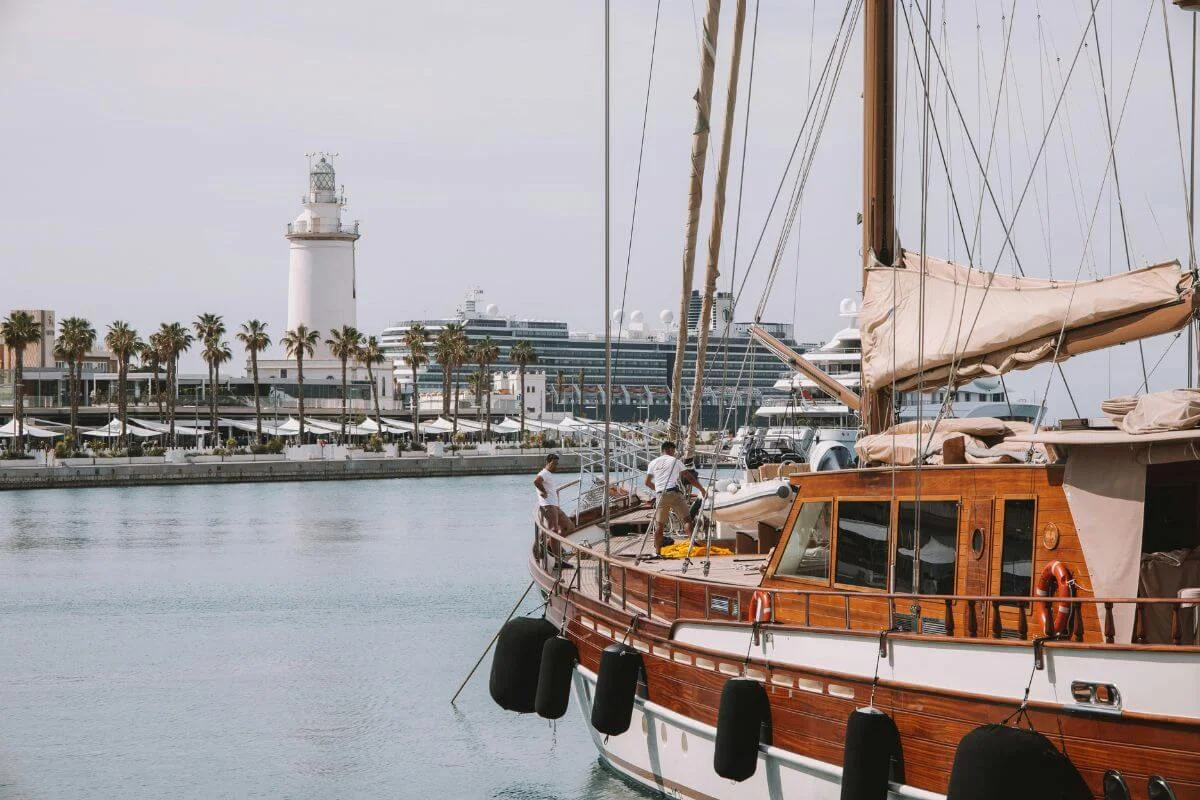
979,553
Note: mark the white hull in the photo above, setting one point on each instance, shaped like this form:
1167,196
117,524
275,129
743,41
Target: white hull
752,503
669,753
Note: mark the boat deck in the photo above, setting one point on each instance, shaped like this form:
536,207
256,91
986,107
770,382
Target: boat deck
629,540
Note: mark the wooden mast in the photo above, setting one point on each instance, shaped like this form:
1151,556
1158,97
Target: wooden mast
879,129
718,221
703,97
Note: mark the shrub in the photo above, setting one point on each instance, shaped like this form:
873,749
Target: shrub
231,443
374,444
134,451
155,451
275,445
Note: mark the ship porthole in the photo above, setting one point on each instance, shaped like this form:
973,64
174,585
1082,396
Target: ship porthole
1114,786
683,742
977,542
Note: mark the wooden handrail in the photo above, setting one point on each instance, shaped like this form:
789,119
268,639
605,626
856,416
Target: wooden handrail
1018,600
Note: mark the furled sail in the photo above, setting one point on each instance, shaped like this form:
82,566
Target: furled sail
978,323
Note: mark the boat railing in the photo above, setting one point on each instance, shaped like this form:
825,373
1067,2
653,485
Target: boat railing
674,598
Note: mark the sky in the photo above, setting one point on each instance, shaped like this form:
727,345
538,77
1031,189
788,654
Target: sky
155,151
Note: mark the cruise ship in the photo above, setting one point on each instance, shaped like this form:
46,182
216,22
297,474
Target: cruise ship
738,372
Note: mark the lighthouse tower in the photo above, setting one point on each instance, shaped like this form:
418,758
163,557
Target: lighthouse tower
321,280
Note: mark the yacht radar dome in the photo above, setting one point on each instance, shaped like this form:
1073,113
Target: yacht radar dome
848,308
492,310
637,317
667,316
618,315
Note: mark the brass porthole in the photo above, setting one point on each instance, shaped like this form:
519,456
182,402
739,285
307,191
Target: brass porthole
1050,536
977,543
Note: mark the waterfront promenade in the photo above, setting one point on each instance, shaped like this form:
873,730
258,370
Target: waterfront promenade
338,464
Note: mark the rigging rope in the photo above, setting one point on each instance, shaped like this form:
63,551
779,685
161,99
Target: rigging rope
637,182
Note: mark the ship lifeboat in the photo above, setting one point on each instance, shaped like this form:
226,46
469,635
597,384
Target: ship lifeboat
747,504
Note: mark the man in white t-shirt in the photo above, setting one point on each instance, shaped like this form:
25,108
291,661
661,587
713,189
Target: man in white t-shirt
664,475
548,485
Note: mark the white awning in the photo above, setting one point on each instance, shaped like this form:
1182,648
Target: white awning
9,431
113,430
162,427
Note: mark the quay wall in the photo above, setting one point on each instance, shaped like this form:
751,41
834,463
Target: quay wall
120,473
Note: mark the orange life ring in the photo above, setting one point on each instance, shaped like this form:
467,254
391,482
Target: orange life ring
1056,580
760,607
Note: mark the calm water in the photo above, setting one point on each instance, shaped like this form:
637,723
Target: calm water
279,640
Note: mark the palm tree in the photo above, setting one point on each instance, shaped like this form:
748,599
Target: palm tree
254,336
216,353
344,344
486,354
19,330
76,337
369,355
560,386
444,349
522,354
460,354
418,356
123,341
174,339
476,381
151,354
209,329
299,342
582,378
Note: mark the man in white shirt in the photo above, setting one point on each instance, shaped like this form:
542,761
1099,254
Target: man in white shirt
664,475
548,485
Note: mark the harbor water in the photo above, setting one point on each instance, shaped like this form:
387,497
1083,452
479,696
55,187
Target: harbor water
296,640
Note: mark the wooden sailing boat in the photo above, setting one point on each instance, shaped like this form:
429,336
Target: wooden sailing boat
975,625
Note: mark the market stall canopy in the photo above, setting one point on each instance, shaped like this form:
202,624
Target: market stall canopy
162,427
9,430
267,428
981,323
387,425
113,430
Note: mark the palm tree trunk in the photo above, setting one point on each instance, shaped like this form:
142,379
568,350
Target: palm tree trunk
172,365
489,414
345,400
454,430
121,371
158,398
257,399
213,403
73,381
445,390
416,408
19,396
374,397
300,391
521,394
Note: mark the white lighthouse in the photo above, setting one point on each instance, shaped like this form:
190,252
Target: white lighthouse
321,280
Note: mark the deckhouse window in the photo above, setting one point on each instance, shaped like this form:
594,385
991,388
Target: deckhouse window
937,521
807,551
1016,554
862,543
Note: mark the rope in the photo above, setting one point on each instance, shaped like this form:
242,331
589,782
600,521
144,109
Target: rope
637,183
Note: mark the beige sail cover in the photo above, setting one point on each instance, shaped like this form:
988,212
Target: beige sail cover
1018,322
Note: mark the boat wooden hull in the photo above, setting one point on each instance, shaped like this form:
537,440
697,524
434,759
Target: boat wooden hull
687,664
